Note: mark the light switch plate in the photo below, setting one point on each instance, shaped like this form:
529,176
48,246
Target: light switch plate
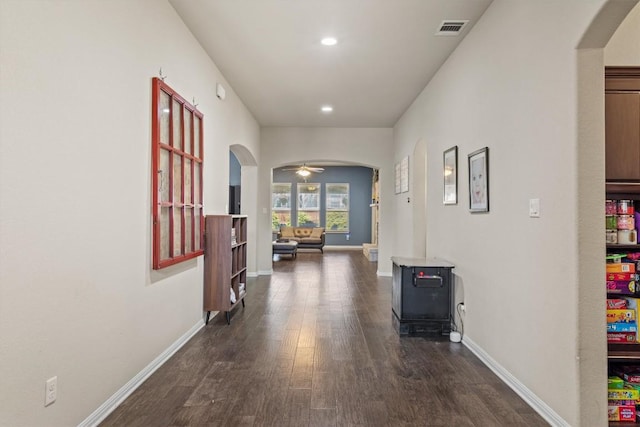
534,208
51,391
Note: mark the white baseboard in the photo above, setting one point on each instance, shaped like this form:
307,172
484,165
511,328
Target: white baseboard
342,247
252,274
521,390
383,273
265,272
114,401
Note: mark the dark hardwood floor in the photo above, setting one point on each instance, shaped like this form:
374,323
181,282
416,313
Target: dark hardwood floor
315,346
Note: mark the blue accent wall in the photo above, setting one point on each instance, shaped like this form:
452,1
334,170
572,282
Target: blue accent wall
359,180
234,170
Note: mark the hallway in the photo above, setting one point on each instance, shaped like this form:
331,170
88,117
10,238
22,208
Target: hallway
315,346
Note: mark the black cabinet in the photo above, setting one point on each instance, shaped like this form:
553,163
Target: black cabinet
422,296
234,199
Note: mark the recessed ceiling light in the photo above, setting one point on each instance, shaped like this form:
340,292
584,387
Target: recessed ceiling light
329,41
327,108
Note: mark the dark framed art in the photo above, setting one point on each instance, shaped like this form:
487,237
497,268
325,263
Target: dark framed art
479,180
450,172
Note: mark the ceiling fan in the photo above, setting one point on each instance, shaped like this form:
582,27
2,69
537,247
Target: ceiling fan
304,170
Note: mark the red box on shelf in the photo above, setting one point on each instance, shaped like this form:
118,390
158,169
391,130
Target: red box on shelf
621,337
616,303
632,376
621,276
622,413
629,373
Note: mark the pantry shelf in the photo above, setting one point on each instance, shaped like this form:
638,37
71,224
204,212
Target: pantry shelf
622,223
624,247
623,351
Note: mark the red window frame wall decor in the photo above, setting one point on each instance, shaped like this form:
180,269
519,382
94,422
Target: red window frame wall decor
176,176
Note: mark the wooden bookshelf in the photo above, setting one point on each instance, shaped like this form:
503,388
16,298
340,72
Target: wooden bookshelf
225,263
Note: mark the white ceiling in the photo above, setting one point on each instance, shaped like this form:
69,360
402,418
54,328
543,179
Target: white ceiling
270,52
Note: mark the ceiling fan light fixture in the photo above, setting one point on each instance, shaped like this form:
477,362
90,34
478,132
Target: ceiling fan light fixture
329,41
304,170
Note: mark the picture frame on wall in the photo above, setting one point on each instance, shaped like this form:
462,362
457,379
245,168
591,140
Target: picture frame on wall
478,163
404,175
450,176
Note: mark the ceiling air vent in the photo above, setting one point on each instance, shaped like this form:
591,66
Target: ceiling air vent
451,28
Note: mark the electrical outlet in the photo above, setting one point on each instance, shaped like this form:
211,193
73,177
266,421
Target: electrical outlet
51,391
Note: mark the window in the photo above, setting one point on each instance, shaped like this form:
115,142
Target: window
176,177
337,214
308,205
281,205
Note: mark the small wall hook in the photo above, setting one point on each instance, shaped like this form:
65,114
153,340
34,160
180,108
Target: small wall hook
161,76
194,102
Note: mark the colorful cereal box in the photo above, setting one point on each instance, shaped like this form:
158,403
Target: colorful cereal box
621,267
622,402
621,287
617,303
622,413
615,382
621,276
627,315
622,327
626,393
629,373
621,337
632,377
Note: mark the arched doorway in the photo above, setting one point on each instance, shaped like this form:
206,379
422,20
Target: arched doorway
248,200
592,349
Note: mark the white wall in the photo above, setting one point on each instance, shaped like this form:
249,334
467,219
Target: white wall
624,46
78,299
364,146
512,85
